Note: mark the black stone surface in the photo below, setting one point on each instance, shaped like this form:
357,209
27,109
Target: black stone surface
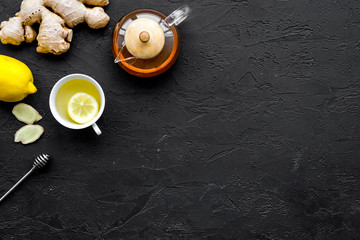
252,134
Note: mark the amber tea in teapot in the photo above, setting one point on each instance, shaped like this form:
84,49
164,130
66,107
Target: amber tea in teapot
146,43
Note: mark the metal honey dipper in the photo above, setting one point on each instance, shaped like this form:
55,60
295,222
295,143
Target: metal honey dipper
39,162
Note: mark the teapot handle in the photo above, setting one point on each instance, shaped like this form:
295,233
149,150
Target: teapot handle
177,16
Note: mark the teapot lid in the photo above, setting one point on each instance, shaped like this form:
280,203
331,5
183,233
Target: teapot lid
144,38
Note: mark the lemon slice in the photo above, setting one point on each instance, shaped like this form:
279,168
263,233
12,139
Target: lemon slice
82,108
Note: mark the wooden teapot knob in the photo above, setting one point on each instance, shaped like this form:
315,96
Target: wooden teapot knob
144,36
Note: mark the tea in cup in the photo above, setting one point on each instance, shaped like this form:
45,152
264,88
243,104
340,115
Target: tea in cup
77,101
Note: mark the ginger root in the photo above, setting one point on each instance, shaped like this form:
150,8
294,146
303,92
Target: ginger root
54,37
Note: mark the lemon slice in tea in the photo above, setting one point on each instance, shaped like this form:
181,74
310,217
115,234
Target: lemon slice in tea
82,108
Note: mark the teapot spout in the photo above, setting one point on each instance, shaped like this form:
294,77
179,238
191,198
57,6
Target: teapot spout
119,59
177,16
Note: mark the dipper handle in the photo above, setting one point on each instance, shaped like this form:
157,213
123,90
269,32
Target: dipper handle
39,162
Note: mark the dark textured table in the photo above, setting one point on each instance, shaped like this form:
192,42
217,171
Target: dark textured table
252,134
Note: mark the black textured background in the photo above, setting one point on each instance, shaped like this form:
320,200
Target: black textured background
252,134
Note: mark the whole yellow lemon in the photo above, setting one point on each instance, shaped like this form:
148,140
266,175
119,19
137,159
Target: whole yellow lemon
16,80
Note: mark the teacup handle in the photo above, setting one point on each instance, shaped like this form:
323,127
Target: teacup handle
96,129
177,16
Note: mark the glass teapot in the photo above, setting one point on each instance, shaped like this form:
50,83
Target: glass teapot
145,43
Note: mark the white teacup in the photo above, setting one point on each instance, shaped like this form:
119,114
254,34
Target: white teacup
65,122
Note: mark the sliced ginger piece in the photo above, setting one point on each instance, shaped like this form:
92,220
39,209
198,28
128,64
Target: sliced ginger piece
28,134
26,113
